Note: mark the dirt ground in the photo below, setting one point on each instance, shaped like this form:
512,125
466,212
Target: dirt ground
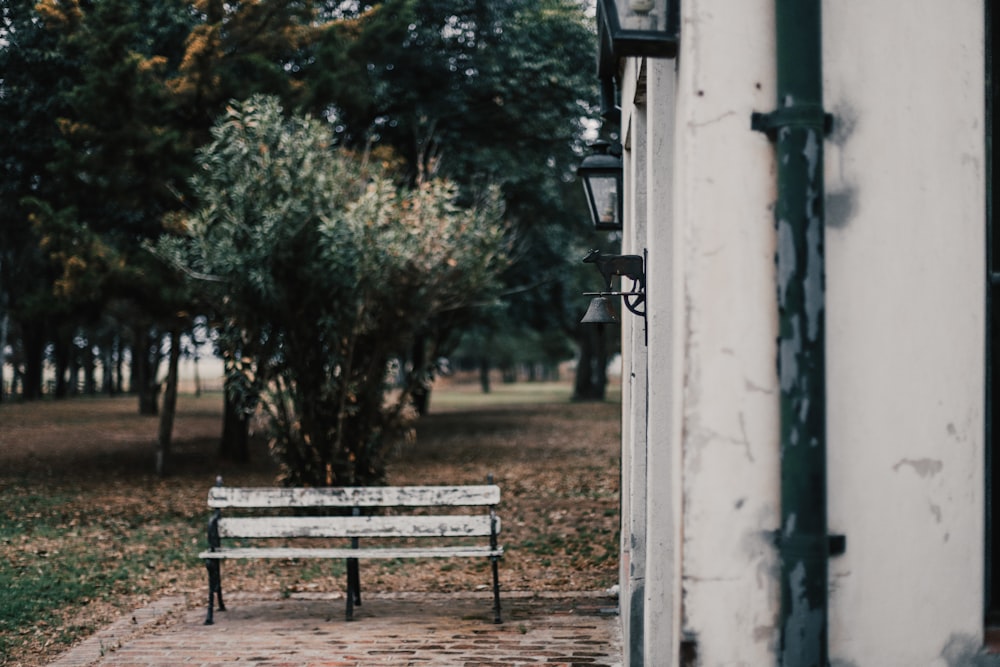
557,463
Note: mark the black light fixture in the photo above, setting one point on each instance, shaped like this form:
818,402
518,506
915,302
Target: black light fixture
601,173
636,28
628,266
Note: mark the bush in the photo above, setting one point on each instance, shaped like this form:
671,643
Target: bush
323,270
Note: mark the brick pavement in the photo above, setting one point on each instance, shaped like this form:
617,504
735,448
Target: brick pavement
427,630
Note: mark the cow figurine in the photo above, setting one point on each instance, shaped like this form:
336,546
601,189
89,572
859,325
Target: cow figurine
629,266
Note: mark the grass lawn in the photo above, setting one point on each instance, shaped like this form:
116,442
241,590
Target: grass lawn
87,532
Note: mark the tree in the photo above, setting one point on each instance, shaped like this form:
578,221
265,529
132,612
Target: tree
104,102
34,71
322,270
477,91
232,51
90,162
237,49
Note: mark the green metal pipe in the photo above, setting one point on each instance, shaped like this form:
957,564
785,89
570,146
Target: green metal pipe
798,130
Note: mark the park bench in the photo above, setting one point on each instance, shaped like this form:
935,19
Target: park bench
360,513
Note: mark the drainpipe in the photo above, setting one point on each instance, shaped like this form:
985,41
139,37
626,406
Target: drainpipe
797,128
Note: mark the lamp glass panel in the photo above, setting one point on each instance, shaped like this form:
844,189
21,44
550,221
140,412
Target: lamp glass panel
643,15
603,192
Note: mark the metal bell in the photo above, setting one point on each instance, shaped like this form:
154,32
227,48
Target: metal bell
599,312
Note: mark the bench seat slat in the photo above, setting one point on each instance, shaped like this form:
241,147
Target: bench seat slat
363,553
386,496
360,526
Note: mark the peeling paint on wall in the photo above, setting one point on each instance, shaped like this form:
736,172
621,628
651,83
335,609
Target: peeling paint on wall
841,207
805,622
965,651
841,192
789,357
923,467
813,283
936,511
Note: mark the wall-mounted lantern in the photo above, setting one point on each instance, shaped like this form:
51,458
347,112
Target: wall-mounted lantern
636,28
601,173
628,266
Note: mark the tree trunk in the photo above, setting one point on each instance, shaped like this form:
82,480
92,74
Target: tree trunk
137,369
235,443
137,361
4,320
197,378
89,370
422,392
484,373
169,405
119,366
73,384
145,362
107,367
591,369
34,361
62,359
16,382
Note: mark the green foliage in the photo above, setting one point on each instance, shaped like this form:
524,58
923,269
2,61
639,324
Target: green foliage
89,160
116,152
324,270
236,49
32,72
512,346
478,90
471,88
102,104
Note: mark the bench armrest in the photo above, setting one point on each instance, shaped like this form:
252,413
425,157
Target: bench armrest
214,541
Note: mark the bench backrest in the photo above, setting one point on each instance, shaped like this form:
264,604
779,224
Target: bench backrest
360,526
222,497
467,525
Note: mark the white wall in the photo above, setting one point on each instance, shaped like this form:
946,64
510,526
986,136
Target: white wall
725,188
905,326
905,305
665,353
635,361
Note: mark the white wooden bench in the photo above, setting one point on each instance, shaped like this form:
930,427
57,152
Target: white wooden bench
353,527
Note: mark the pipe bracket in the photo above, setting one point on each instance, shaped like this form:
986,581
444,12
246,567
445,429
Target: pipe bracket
803,115
836,544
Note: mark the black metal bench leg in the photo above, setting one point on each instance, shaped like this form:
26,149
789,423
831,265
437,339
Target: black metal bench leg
353,577
354,574
214,588
496,590
352,593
